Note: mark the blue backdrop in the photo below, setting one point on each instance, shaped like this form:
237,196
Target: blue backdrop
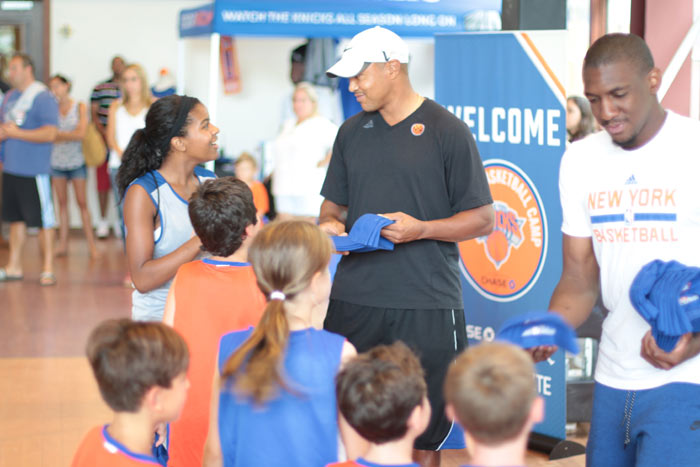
337,18
497,83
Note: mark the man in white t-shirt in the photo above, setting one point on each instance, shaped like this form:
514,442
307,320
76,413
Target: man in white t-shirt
630,195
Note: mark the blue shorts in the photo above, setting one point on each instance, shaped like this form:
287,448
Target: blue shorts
80,172
651,427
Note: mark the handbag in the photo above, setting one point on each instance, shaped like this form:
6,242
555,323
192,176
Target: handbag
94,148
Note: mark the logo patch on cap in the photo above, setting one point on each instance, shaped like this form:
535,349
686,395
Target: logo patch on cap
417,129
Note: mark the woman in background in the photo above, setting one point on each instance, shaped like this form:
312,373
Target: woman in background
302,153
68,163
126,115
579,118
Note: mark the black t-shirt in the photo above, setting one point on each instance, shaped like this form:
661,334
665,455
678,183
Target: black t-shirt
426,166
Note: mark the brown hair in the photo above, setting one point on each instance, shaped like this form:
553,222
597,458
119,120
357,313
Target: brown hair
220,211
130,357
491,388
378,390
285,256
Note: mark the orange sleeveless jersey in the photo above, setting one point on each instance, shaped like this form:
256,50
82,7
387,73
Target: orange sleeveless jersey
211,298
260,197
98,449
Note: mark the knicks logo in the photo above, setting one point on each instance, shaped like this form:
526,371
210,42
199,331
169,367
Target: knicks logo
417,129
507,234
505,264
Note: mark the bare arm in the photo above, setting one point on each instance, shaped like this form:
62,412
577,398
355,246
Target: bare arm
577,291
148,273
213,456
43,134
462,226
169,312
111,131
330,218
79,132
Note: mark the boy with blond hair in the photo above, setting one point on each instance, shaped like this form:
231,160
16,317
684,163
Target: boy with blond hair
490,390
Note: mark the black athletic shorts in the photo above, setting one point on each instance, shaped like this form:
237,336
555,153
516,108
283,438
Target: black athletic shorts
28,200
436,336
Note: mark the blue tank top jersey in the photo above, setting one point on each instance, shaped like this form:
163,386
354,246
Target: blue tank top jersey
174,230
299,429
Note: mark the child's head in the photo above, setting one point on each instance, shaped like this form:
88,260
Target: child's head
246,166
221,211
290,260
383,395
490,389
137,363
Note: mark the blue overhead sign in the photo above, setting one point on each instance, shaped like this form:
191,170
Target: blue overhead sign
314,18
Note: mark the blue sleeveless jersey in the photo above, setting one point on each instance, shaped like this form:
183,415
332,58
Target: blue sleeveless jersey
299,429
174,230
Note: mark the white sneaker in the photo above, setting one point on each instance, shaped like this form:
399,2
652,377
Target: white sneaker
117,229
102,230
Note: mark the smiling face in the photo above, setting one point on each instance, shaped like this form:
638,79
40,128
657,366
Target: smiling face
201,135
371,87
622,100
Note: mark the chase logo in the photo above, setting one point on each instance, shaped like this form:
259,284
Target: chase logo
504,265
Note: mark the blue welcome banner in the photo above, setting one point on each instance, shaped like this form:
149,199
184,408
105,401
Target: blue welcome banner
338,18
503,87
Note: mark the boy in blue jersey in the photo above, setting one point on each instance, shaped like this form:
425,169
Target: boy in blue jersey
141,370
490,389
382,395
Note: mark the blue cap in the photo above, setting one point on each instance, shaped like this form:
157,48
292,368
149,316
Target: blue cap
539,328
365,235
667,296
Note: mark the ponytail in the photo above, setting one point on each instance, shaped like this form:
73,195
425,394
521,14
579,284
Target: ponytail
148,147
266,345
285,256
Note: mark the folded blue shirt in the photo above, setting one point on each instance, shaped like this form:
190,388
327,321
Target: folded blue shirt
539,328
667,296
365,235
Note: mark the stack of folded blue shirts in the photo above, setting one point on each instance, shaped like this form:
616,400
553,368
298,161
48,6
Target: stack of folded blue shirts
667,295
365,235
539,328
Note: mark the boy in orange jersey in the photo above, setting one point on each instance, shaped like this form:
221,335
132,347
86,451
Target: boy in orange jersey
141,370
246,167
382,395
490,389
211,297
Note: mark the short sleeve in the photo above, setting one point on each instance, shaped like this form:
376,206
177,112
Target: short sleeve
467,186
335,187
46,109
95,96
576,222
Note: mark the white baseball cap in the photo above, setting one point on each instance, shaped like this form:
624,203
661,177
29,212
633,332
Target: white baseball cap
374,45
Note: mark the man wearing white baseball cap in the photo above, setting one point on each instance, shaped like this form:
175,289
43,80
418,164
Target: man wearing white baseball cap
409,159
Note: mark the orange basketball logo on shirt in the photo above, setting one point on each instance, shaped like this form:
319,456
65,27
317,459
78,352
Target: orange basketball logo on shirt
417,129
505,264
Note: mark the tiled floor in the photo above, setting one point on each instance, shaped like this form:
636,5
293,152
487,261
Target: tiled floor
48,399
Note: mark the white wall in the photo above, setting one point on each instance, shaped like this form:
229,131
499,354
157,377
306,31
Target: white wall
145,32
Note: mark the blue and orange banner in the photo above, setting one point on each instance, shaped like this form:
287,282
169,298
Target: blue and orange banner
230,71
509,94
